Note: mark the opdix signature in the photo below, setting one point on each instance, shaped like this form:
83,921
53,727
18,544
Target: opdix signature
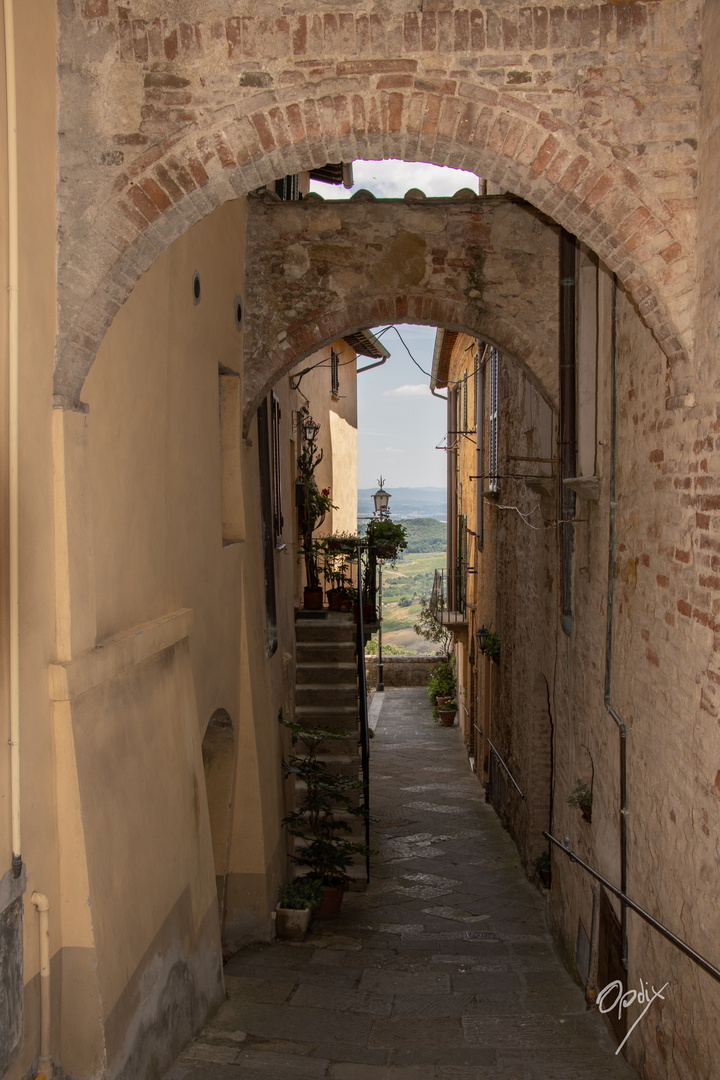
625,998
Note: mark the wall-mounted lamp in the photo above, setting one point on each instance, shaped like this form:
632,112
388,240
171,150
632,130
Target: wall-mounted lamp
309,429
481,636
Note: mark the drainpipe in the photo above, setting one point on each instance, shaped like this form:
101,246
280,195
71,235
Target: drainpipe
479,445
45,1067
451,496
622,730
567,421
13,407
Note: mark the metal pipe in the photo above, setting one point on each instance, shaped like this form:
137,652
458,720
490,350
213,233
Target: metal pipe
450,464
568,449
433,391
368,367
45,1066
479,446
13,436
497,755
609,624
627,902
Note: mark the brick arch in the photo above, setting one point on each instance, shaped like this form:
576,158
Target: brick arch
176,181
447,314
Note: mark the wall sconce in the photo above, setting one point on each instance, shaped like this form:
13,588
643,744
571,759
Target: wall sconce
481,636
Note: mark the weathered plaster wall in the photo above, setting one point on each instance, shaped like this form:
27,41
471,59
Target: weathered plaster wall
589,112
337,416
316,269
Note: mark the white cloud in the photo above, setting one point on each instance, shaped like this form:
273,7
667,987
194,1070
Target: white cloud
408,390
391,179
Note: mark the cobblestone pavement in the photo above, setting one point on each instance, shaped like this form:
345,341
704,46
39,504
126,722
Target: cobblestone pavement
442,970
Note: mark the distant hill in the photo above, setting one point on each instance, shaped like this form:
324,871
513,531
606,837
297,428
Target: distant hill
408,502
425,534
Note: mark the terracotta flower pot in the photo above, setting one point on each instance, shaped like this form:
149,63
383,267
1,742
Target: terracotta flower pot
334,599
442,699
447,717
545,877
367,613
329,906
291,924
313,599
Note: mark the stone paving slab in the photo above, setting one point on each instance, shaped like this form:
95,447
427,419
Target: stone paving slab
442,970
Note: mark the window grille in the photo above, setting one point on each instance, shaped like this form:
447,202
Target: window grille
334,373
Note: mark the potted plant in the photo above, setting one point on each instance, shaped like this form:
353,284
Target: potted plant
295,906
442,684
543,865
385,537
313,505
582,799
322,819
447,713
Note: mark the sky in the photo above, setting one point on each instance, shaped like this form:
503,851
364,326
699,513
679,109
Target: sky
399,421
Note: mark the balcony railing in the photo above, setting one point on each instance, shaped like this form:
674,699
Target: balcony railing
439,603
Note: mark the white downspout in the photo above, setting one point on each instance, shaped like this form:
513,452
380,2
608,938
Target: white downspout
13,409
45,1068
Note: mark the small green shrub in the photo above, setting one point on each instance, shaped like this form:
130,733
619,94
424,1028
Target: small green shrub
304,892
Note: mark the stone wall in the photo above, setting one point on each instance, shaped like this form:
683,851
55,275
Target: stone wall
317,269
400,670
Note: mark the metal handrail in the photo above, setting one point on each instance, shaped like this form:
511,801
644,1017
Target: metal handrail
497,755
627,902
363,712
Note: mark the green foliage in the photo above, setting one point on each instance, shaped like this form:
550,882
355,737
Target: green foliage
405,601
425,534
328,849
371,649
315,505
581,797
492,645
305,892
543,862
386,538
443,682
429,627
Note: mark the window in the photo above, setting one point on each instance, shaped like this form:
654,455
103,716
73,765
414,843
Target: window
288,187
275,416
334,374
493,422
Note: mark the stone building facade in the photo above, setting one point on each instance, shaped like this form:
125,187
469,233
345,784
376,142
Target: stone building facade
135,615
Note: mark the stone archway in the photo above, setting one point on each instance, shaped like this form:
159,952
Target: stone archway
316,270
163,120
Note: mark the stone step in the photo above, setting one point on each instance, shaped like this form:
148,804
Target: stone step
333,673
324,632
326,695
326,652
346,762
337,716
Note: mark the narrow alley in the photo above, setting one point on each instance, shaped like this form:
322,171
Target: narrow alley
443,969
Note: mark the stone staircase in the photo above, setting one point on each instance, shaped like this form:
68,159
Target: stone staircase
326,695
